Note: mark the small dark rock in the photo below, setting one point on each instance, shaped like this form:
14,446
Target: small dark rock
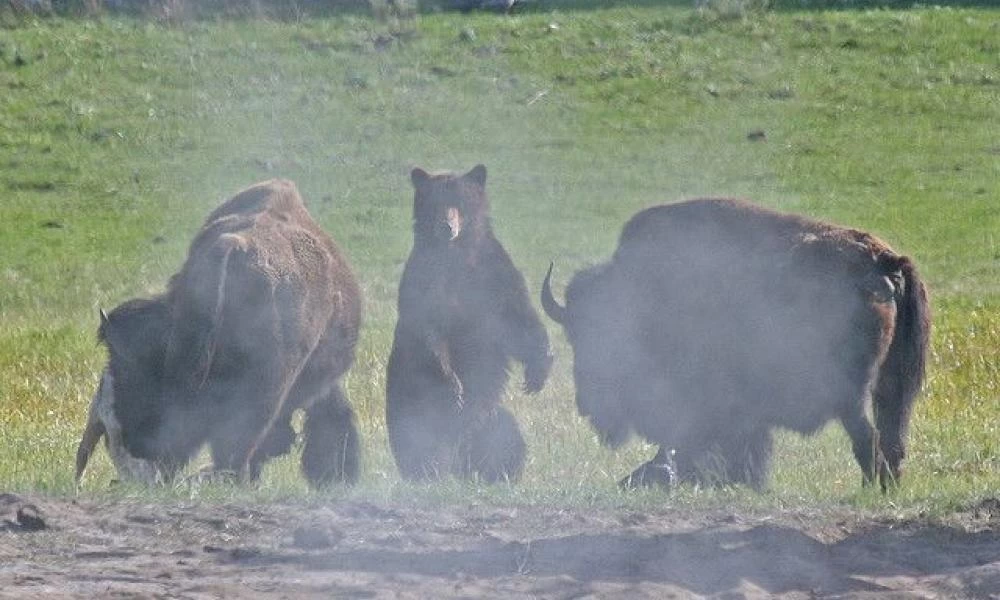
100,135
311,538
988,508
30,518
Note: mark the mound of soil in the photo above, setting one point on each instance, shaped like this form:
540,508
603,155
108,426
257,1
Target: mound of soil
94,549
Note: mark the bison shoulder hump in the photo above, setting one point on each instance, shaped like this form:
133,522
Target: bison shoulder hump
280,197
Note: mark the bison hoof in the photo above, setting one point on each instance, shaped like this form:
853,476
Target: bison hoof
650,475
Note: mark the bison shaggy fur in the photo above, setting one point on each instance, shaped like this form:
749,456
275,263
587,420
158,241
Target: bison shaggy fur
464,313
717,321
261,320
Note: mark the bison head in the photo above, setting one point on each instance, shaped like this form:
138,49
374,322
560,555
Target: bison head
101,422
135,334
597,325
449,209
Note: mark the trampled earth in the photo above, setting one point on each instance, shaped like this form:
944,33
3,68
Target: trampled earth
93,548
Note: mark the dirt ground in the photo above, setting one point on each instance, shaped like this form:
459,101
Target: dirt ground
63,548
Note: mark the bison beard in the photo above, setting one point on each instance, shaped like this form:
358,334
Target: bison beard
464,313
717,321
261,320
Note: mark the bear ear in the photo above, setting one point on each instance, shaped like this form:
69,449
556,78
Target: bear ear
419,177
478,175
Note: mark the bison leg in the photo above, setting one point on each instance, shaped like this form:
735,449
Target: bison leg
331,449
235,434
892,443
659,471
494,449
892,419
278,442
864,442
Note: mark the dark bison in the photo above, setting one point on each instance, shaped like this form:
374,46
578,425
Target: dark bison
261,320
464,312
717,321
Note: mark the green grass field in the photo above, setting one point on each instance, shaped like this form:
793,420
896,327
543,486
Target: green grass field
118,136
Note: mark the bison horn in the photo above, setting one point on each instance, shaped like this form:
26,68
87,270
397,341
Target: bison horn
552,309
93,433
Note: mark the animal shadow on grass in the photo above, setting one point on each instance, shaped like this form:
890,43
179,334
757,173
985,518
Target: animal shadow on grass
777,559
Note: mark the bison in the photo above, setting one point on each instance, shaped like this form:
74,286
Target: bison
717,321
261,320
464,313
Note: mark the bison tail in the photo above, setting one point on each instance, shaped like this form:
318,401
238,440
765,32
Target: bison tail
902,372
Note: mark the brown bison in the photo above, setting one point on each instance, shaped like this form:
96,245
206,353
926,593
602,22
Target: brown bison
261,320
717,321
464,312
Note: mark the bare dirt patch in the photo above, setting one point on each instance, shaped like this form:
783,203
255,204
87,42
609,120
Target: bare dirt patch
91,548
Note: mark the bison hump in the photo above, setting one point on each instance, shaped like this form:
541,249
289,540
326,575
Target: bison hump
280,197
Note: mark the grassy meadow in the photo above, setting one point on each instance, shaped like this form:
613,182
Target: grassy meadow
118,136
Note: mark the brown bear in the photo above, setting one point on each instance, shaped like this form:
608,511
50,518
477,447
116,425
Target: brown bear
464,313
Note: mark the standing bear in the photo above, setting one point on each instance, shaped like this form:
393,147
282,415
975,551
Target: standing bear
464,312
